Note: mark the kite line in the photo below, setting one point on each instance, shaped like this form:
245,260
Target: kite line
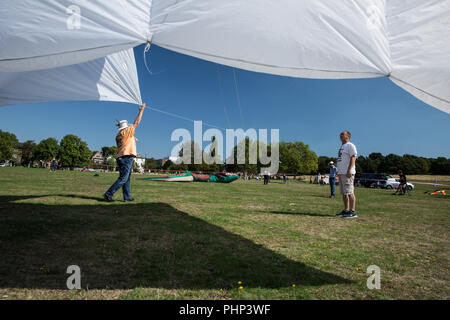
222,97
237,97
184,118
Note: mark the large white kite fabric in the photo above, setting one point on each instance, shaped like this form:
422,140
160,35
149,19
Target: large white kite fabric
406,40
111,78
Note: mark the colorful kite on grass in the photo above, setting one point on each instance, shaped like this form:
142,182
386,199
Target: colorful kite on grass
439,192
189,177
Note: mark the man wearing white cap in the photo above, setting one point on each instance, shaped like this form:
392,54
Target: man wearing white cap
126,152
332,178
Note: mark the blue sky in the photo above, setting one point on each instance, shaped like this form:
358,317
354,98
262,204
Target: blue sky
381,116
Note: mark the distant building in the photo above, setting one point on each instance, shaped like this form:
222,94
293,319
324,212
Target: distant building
140,160
17,156
97,157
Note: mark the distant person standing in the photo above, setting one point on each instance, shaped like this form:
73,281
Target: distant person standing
126,152
346,170
332,179
401,189
53,165
266,177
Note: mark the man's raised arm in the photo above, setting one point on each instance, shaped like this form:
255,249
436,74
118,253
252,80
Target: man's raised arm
139,116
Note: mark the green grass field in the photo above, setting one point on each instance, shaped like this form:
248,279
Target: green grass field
205,240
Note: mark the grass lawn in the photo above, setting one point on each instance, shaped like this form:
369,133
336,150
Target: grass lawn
198,240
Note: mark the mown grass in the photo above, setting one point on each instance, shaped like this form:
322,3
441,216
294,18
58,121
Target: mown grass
198,240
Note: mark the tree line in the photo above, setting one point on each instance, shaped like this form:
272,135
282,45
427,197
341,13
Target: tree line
70,152
295,157
409,164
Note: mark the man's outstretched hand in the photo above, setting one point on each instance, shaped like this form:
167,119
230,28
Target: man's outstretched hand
139,116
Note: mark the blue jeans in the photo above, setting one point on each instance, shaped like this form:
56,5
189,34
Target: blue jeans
125,167
332,183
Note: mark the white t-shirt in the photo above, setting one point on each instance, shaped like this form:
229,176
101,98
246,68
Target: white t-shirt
345,153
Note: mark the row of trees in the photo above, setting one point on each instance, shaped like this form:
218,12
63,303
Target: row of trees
295,157
410,164
71,151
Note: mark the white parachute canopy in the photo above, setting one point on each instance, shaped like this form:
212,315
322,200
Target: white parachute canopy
404,40
112,78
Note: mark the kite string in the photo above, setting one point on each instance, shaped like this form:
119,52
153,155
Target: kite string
237,97
146,49
222,97
182,117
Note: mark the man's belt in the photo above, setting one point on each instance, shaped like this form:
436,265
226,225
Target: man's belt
127,156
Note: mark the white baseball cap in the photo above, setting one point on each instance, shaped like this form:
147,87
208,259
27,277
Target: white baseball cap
331,162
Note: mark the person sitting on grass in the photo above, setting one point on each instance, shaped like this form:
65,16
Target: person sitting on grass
126,152
322,180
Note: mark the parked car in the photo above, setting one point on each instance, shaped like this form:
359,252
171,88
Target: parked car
372,180
2,165
393,183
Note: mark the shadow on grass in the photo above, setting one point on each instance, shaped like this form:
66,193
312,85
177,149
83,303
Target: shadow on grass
319,196
123,246
304,214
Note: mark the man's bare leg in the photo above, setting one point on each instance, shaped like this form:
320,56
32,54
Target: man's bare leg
352,200
346,202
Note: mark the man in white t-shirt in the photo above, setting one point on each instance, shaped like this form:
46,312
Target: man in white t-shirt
346,170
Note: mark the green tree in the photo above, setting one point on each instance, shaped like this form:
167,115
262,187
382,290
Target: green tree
214,156
423,165
167,165
74,152
367,164
376,156
111,162
151,163
391,164
243,158
28,151
8,142
324,164
440,165
109,151
190,152
373,162
296,157
47,149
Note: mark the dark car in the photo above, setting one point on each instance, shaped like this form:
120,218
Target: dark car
372,180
